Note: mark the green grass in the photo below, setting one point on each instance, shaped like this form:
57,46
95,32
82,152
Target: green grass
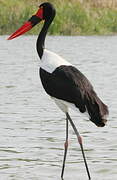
72,18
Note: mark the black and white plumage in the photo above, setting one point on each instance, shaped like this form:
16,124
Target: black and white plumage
66,84
70,88
62,81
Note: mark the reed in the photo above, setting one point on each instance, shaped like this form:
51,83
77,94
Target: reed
104,3
74,17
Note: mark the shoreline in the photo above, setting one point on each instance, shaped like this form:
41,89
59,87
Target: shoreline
73,18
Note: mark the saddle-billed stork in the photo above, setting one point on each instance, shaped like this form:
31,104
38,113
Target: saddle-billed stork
67,86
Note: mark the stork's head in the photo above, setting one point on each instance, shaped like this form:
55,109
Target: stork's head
45,12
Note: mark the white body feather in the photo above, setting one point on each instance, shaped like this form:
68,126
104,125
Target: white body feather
50,61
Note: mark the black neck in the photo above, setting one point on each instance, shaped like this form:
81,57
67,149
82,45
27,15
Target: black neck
41,37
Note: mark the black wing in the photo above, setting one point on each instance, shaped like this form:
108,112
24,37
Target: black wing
65,83
69,84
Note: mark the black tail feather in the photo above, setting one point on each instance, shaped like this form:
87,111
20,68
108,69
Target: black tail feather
97,110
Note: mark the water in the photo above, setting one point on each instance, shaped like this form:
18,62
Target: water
32,128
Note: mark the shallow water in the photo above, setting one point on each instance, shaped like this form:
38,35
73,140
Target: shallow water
32,128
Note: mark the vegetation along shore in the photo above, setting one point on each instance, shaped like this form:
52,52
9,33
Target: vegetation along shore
74,17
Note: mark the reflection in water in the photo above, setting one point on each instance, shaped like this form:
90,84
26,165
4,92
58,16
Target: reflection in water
32,128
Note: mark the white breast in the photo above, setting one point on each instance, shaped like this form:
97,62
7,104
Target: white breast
50,61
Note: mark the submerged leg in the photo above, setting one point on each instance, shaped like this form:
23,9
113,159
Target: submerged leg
80,142
65,149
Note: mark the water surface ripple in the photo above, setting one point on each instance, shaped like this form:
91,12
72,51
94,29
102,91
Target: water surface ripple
32,128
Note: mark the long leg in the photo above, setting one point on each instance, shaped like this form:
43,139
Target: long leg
65,148
80,142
